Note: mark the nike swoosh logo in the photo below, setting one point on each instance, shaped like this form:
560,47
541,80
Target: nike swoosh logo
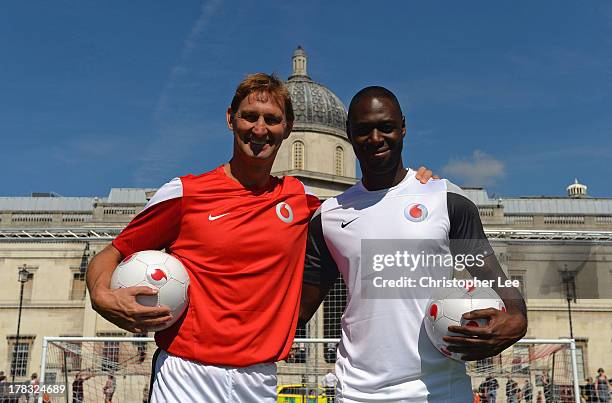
216,217
344,224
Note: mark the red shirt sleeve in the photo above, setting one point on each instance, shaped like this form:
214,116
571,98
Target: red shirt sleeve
313,203
155,228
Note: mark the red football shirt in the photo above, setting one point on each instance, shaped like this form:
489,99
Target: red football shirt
245,256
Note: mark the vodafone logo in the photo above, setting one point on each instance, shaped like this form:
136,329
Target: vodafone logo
157,276
284,212
433,311
416,212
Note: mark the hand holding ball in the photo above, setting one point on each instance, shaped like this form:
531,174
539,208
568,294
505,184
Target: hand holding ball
447,309
157,270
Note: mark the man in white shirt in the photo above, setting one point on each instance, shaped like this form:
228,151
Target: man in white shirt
384,354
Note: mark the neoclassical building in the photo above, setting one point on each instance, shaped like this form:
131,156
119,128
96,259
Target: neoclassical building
318,151
553,245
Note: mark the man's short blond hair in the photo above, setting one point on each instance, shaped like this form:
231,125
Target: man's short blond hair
264,83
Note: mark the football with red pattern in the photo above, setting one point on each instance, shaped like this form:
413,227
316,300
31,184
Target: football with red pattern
446,309
157,270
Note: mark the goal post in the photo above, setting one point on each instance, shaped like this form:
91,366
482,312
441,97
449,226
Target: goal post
549,366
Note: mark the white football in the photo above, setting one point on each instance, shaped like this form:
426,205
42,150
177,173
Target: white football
446,309
157,270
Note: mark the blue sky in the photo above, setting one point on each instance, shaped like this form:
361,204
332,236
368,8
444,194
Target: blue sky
513,96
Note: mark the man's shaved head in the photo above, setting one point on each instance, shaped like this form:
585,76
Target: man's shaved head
373,92
376,129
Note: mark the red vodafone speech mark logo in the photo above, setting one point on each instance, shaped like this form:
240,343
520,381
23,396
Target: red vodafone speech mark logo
157,276
284,212
416,212
433,311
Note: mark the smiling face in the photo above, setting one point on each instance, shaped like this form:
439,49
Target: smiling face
259,127
376,129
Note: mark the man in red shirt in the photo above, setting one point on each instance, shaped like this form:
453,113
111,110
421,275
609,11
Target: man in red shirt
241,235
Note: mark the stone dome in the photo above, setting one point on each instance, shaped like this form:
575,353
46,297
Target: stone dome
316,108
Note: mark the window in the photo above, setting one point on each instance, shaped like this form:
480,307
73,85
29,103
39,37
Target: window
110,356
78,286
20,355
19,359
297,155
110,352
339,161
72,355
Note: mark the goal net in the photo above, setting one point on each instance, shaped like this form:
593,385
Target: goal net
531,370
95,368
528,369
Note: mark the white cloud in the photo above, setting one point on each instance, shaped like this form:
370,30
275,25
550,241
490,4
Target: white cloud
480,169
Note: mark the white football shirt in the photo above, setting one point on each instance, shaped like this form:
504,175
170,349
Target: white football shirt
384,354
